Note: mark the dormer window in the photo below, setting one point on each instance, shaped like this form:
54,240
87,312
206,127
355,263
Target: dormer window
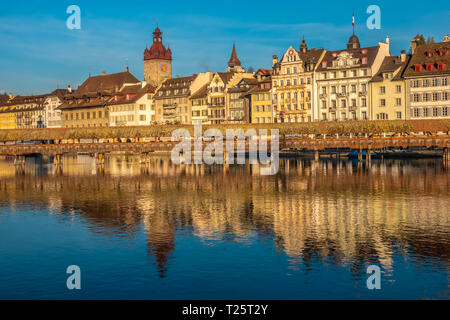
324,64
417,67
429,54
334,54
364,60
364,51
441,65
429,66
442,52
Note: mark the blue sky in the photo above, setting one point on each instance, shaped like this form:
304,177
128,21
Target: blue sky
38,53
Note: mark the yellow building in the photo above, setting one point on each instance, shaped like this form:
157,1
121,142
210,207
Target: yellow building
294,85
6,118
6,115
261,110
388,90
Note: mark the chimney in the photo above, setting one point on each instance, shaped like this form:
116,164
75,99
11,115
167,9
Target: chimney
274,60
403,56
11,95
69,88
104,73
413,46
387,40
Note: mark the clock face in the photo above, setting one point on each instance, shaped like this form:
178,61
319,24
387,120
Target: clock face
291,52
164,68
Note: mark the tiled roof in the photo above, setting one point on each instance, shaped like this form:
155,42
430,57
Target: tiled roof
225,76
130,94
430,56
108,82
369,52
200,93
175,87
391,64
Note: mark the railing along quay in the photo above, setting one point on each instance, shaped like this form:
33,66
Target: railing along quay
312,144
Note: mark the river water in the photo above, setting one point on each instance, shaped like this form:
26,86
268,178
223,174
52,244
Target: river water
165,231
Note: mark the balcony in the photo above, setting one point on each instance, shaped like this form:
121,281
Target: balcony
363,94
342,94
323,95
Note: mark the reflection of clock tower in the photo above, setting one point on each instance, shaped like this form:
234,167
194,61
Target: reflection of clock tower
157,61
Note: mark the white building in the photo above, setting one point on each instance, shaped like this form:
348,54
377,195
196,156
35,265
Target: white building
343,80
133,105
53,116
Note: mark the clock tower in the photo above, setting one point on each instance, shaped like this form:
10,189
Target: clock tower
157,61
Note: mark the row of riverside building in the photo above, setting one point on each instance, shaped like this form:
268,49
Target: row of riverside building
304,85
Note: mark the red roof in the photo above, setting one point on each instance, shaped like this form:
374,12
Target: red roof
157,50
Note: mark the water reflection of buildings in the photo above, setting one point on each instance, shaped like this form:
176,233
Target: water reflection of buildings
332,211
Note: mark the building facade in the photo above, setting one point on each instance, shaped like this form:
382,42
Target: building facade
29,111
53,115
132,106
388,90
343,80
238,106
427,78
172,101
7,119
260,98
86,107
294,85
199,106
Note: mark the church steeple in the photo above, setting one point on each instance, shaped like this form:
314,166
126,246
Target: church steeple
303,46
234,64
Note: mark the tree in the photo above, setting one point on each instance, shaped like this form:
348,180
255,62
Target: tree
251,70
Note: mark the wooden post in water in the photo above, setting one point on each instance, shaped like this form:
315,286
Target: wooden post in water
368,157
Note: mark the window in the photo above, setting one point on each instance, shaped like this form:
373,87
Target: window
382,102
399,115
333,89
398,89
364,115
398,102
353,88
445,96
444,82
426,83
416,97
364,87
425,112
382,90
435,82
435,112
354,102
343,103
444,111
435,96
364,102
